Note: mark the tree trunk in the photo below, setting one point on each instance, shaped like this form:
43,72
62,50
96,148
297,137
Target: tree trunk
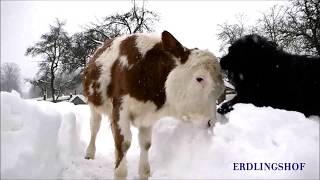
52,87
52,83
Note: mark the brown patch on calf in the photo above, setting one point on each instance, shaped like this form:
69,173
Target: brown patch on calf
117,86
92,74
145,81
128,48
116,131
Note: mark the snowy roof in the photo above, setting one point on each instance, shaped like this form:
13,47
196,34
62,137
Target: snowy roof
82,97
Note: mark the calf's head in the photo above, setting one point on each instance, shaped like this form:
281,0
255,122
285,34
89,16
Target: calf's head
193,86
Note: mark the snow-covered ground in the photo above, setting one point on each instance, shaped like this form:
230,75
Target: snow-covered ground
46,140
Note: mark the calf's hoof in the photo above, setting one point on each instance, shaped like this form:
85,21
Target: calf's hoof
145,176
121,171
90,154
88,157
144,171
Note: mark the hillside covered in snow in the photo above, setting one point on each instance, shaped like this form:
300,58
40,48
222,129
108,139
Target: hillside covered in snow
46,140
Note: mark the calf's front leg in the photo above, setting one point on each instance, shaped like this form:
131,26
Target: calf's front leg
145,134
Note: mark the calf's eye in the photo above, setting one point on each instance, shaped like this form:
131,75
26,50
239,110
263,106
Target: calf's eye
199,79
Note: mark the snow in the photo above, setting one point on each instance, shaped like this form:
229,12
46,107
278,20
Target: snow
48,140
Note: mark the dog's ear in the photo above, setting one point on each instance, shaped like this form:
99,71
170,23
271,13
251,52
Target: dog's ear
172,45
224,62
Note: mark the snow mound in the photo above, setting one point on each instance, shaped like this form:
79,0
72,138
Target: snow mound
35,137
48,140
251,135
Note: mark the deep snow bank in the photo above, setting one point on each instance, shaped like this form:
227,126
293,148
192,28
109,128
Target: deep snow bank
47,140
251,135
36,137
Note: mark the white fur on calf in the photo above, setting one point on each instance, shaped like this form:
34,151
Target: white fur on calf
124,122
195,98
146,42
105,61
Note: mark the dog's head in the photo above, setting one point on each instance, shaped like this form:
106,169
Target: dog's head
245,56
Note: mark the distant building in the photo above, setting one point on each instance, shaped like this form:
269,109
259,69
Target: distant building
77,99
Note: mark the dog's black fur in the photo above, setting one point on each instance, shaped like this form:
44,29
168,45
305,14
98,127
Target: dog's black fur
265,75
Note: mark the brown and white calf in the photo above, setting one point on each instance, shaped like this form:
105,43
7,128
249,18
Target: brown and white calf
139,78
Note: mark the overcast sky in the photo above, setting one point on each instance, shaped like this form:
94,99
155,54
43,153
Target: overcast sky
193,23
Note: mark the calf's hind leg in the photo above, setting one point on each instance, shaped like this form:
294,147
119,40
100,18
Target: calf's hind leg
95,121
122,137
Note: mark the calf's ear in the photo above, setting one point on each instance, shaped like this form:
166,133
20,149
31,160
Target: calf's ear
172,45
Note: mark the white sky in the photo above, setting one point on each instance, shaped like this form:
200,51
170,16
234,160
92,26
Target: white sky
193,23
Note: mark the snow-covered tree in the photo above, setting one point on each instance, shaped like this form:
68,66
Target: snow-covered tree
54,47
136,20
295,27
10,77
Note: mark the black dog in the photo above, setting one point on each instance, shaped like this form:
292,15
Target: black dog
265,75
